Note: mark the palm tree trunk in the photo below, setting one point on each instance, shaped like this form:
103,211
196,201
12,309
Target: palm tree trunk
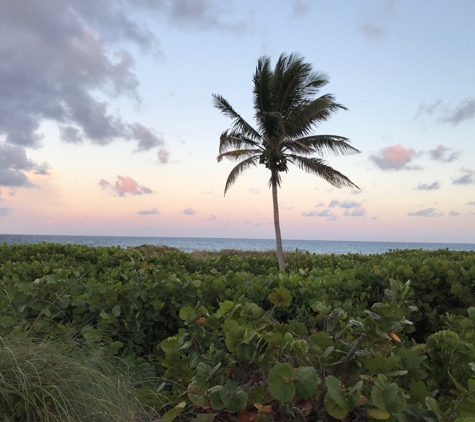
278,236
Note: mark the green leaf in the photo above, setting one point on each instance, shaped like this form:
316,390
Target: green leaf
173,413
92,335
187,313
204,417
432,404
372,315
281,383
334,409
6,321
116,345
281,297
378,414
116,310
377,397
306,382
224,308
237,400
356,323
382,333
322,339
418,391
390,392
335,391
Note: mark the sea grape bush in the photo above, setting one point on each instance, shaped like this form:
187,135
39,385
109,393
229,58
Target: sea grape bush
352,337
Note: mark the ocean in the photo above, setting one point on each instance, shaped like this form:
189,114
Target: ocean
190,244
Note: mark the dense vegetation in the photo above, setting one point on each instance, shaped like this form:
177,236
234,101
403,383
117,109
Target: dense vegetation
226,336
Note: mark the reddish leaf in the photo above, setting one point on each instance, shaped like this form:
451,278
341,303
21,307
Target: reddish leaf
246,416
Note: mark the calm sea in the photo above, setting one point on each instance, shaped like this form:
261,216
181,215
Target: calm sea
189,244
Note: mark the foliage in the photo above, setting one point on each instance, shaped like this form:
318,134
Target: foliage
346,337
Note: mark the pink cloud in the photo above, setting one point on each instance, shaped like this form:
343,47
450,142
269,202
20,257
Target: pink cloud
124,185
395,157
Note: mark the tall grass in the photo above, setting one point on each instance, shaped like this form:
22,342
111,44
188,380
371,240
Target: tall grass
63,381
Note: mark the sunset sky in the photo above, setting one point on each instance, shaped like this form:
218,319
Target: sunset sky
107,125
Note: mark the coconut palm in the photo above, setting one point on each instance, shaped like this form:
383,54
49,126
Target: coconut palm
286,110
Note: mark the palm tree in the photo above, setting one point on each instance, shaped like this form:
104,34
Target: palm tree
286,111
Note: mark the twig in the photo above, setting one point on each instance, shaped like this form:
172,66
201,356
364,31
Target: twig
350,355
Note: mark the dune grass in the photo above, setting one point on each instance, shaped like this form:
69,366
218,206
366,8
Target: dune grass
62,380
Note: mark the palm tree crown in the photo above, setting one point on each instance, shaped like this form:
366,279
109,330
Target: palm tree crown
287,110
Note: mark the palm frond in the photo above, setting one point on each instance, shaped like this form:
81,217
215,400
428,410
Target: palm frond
235,140
239,124
316,80
239,154
266,118
296,147
236,171
323,145
311,115
318,167
292,77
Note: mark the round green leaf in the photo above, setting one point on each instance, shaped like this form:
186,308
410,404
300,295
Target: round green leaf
306,382
280,382
334,409
186,313
281,297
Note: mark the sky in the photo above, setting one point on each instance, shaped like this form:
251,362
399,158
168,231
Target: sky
107,125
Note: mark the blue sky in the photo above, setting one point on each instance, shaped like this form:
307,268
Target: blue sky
107,125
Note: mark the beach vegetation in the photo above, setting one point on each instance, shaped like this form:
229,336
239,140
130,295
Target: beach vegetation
156,331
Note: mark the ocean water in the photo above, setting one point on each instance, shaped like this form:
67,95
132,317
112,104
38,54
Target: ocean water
190,244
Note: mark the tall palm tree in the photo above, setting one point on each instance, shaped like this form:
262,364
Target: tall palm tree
286,111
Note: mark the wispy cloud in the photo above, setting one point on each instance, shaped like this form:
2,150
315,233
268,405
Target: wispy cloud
124,185
254,191
470,203
300,7
189,211
371,31
447,113
4,212
427,212
148,212
454,213
325,213
467,179
163,156
345,204
425,186
395,157
440,154
356,212
212,217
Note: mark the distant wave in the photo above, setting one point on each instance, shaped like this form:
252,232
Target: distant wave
189,244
